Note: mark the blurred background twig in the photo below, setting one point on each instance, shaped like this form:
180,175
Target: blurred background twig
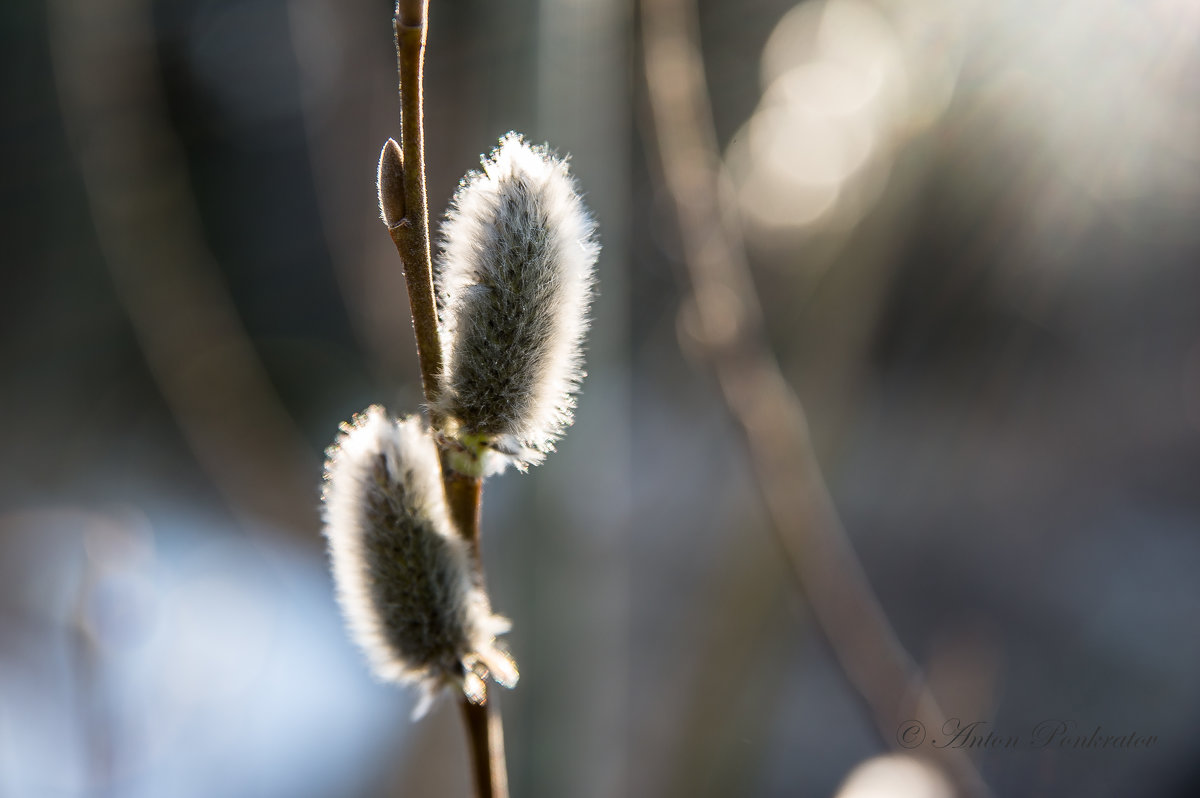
146,222
771,418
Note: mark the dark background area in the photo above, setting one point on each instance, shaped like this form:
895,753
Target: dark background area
973,227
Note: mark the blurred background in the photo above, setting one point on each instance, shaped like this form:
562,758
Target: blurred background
974,230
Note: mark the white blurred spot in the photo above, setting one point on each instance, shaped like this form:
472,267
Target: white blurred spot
895,776
845,85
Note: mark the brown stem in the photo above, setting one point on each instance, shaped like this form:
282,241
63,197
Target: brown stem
410,233
484,730
767,411
463,498
402,197
475,719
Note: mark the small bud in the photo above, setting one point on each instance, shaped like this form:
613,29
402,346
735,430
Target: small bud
515,280
390,182
403,576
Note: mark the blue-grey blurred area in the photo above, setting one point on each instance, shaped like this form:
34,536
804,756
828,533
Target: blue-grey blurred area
974,230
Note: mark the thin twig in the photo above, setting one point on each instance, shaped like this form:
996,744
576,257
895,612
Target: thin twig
464,498
408,223
476,720
411,233
166,278
767,411
463,495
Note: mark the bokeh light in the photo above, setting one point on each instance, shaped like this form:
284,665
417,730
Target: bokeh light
895,776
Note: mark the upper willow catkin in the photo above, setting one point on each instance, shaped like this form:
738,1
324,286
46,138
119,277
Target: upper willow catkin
514,282
403,577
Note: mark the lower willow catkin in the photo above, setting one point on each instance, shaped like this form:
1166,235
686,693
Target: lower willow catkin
514,282
403,576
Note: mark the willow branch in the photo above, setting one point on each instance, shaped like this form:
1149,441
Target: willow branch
405,206
768,413
402,198
482,721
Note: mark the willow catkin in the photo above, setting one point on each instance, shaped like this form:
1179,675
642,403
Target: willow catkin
403,576
514,281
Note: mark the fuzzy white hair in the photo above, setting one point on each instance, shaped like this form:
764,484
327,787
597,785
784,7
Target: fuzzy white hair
403,576
515,279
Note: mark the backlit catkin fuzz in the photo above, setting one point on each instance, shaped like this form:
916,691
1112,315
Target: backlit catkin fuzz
403,576
514,281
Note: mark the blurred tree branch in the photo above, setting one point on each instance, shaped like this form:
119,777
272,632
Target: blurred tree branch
768,413
150,234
